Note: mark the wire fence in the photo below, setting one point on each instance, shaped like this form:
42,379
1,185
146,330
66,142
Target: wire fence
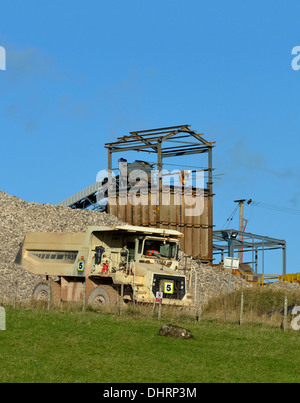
230,308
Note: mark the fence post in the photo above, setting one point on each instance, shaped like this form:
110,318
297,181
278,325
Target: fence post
285,313
198,316
2,318
153,308
230,274
160,303
122,299
83,295
159,310
49,295
15,294
195,288
242,308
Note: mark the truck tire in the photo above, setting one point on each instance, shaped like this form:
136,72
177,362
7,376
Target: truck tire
103,295
41,292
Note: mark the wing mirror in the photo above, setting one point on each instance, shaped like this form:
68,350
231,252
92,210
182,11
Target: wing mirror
98,255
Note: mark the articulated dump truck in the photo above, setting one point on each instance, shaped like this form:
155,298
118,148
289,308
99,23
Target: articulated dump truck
93,265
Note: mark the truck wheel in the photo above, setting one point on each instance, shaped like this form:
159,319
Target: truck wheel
41,292
104,295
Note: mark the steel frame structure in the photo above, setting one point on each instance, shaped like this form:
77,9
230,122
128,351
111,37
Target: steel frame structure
185,140
223,241
153,141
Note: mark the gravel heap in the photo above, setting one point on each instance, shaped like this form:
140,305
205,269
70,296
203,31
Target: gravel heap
208,280
284,285
18,217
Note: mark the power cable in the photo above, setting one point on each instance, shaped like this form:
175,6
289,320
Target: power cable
275,208
230,218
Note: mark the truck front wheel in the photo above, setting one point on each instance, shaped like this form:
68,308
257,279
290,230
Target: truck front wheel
103,295
41,292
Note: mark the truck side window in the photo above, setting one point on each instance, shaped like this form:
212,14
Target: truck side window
140,246
131,248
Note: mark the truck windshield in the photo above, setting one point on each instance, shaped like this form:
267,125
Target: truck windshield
157,248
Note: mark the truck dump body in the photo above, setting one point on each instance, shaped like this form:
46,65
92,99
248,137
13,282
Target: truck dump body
144,260
50,253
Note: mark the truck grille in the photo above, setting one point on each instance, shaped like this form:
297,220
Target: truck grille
171,286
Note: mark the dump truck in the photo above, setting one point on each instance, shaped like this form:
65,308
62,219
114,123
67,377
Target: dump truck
92,266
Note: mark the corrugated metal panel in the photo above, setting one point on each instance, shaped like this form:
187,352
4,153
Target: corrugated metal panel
197,230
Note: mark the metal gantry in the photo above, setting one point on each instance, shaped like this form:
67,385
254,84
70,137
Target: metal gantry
166,142
230,241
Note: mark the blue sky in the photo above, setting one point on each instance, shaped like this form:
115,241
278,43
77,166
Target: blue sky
80,74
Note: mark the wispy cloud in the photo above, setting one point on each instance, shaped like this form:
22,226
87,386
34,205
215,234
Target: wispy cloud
243,164
23,64
15,112
245,158
22,86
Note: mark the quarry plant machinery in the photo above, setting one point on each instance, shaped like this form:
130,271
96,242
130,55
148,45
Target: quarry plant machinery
94,264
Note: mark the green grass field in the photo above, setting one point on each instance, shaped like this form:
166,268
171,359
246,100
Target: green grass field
75,347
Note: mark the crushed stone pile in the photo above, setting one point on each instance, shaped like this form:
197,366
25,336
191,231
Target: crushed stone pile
209,281
284,285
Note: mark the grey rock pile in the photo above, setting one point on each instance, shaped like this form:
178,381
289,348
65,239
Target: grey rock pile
175,331
208,281
284,285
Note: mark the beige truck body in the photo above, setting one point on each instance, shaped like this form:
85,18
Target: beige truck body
144,260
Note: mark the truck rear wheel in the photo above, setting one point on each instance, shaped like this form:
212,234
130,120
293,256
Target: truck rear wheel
103,295
41,292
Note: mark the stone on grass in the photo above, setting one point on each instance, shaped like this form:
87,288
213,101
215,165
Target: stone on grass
175,331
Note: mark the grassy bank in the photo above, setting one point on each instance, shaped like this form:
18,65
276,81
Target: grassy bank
71,346
257,306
